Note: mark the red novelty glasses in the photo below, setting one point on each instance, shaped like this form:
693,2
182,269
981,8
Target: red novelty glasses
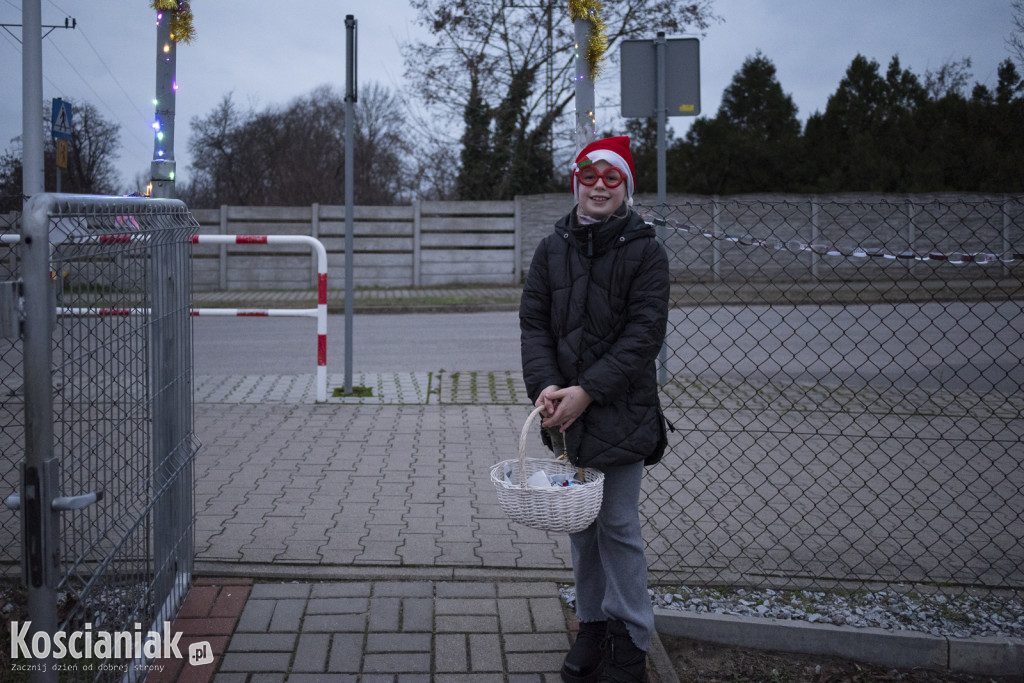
589,175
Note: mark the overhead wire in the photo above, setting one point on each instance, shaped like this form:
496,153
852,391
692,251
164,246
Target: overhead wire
16,44
129,128
99,97
146,145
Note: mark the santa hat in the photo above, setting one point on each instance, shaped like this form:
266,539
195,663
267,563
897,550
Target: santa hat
615,151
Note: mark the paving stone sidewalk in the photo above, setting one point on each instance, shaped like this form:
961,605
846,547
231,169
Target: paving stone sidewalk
298,632
360,517
376,554
361,485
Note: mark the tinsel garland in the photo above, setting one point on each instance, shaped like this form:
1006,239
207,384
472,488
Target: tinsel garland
597,43
182,28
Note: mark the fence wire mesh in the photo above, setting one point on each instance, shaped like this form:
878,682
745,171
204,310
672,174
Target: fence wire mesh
846,381
11,414
122,412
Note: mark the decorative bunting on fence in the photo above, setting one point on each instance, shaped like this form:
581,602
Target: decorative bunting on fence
797,247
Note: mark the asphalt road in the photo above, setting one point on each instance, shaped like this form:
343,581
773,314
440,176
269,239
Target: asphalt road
954,345
381,343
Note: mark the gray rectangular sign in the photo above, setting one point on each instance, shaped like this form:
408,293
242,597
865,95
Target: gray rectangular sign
639,72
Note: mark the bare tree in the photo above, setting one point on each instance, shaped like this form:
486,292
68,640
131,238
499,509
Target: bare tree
92,150
952,78
490,53
91,153
295,155
1016,40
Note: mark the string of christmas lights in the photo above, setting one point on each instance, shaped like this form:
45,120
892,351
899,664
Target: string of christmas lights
797,247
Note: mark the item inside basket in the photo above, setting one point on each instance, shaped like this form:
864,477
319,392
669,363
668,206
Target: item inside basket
540,479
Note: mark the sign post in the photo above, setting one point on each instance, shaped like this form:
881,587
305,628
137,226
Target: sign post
660,78
351,95
60,129
648,91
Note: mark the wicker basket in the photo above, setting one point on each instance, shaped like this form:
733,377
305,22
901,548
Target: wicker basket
558,508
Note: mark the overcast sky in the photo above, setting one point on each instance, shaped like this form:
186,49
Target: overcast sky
267,53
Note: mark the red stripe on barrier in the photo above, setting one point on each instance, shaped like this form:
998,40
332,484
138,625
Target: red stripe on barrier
195,239
252,314
115,239
321,349
321,297
251,239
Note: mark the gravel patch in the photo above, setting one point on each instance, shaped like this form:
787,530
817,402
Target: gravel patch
952,616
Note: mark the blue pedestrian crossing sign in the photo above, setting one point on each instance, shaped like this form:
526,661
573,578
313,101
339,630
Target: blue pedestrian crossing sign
60,124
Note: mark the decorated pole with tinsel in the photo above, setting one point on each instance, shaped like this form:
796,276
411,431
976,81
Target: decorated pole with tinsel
591,44
173,26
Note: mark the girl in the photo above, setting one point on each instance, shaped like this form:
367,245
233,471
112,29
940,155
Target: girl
592,318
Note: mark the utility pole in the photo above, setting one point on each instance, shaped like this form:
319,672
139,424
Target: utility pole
33,169
33,179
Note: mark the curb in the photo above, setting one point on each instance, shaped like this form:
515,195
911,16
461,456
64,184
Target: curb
897,649
315,572
664,669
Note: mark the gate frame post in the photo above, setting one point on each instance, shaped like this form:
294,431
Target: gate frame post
39,480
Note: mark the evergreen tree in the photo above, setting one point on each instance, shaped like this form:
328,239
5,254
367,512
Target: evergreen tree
502,155
643,136
475,180
753,142
879,132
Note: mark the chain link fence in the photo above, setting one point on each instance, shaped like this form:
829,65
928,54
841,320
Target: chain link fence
120,387
12,418
846,380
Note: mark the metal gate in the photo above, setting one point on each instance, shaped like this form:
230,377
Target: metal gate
100,406
847,381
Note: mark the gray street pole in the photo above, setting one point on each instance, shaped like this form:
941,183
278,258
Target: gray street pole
33,178
162,168
350,99
661,113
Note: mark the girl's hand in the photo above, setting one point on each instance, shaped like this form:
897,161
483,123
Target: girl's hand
547,401
569,404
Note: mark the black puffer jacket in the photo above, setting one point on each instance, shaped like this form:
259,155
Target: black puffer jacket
593,313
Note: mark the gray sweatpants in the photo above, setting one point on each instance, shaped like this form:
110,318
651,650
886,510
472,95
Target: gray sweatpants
608,559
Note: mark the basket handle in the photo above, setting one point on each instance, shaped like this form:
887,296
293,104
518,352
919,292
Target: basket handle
522,449
522,444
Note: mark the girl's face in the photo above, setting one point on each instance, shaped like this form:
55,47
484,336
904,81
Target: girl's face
599,200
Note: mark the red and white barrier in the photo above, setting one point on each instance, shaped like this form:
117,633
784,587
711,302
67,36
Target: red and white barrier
320,312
